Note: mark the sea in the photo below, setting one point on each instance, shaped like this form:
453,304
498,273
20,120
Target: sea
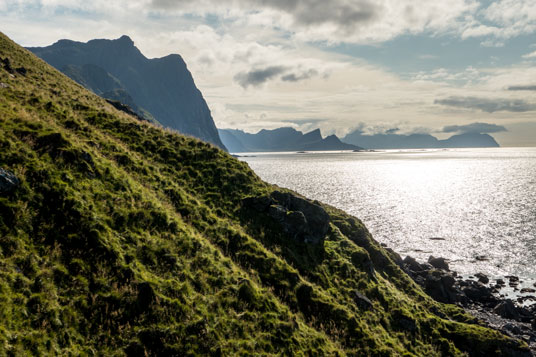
475,207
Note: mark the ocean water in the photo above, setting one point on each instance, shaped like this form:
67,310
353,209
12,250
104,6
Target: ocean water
475,207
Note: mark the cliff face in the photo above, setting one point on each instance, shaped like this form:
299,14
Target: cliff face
162,86
120,238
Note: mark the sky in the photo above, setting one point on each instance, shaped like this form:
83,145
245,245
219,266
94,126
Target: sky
398,66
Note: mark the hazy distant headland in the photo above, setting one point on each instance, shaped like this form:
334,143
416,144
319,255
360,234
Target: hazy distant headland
290,139
419,141
281,139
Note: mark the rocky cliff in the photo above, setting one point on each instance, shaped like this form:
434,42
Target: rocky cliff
162,87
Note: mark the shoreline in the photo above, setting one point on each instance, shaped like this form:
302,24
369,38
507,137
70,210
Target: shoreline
478,295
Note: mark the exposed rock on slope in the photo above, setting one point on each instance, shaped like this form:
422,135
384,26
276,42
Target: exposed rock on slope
8,181
302,220
162,87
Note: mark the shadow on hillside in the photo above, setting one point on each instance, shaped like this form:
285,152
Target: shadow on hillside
291,227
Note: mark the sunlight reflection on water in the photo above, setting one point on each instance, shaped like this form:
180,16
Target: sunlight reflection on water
482,202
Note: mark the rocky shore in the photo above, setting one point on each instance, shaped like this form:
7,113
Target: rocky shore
479,295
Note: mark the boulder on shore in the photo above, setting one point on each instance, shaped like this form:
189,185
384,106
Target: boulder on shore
438,263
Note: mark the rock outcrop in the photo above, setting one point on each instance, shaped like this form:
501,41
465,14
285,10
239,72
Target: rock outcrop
475,296
124,108
301,219
8,181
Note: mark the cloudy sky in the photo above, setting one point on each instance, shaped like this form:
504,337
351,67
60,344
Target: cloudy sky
442,67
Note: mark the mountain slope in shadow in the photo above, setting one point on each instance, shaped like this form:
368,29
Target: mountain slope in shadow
162,87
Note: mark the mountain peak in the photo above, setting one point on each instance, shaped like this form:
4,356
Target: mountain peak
162,87
125,40
418,141
281,139
314,135
332,138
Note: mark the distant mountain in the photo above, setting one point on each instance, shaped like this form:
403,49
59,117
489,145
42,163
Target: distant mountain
419,141
470,140
159,89
281,139
231,142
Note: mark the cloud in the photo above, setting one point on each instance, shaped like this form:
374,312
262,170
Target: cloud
389,129
304,121
523,87
514,17
469,74
530,55
488,105
335,21
293,77
477,128
492,43
303,12
257,77
502,19
479,31
315,12
260,76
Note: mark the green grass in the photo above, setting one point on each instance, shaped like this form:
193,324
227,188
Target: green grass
125,238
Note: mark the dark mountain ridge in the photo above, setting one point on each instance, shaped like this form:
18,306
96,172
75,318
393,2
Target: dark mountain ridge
281,139
162,87
419,141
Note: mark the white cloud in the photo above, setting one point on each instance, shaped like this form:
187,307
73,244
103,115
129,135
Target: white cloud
336,21
530,55
512,17
521,13
358,21
492,43
479,31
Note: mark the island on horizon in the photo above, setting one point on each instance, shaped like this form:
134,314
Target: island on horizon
290,139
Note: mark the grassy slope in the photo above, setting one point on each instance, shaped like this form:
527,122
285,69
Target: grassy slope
126,238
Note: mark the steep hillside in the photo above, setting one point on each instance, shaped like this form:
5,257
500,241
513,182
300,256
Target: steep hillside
120,238
162,87
105,85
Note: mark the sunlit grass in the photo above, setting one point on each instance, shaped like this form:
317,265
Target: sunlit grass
124,238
